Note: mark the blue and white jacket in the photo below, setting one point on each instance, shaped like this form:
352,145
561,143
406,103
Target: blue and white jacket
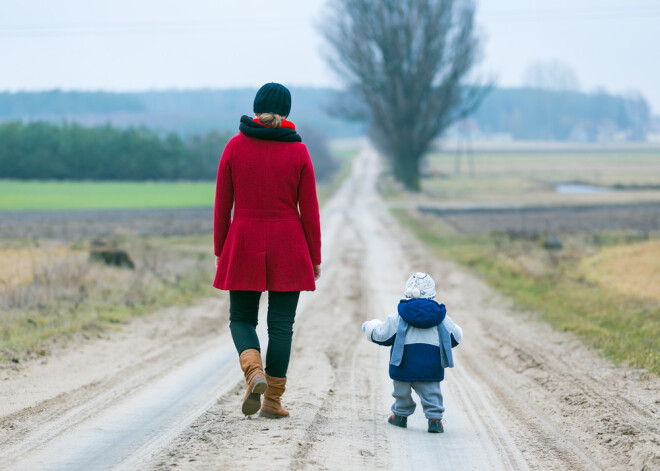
421,335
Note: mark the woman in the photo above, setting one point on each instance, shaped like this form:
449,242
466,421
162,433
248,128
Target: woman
266,174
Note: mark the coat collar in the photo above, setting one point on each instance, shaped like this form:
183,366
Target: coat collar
257,130
422,312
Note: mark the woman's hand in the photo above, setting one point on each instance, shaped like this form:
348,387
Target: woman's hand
317,272
217,261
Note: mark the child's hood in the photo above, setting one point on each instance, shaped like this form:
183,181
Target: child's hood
422,313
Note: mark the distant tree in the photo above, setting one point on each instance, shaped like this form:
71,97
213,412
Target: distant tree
551,75
325,165
405,62
205,151
42,150
637,115
20,105
527,113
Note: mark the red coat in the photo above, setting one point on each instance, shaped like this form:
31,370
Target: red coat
269,245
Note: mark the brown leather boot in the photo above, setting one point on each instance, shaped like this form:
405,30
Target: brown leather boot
254,379
272,407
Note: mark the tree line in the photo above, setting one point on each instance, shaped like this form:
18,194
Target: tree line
524,113
21,105
43,150
532,113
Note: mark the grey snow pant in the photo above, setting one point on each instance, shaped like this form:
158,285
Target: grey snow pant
429,394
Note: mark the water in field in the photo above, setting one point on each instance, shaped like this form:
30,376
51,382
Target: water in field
581,189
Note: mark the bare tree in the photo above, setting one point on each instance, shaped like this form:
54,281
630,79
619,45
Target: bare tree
405,63
551,75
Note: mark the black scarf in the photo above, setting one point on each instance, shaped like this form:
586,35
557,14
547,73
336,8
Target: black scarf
251,128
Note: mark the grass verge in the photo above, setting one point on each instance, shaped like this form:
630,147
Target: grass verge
70,293
558,285
345,158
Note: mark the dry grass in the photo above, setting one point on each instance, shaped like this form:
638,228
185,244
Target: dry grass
632,270
65,293
621,324
604,284
344,155
20,264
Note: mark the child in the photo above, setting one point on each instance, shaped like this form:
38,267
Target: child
421,336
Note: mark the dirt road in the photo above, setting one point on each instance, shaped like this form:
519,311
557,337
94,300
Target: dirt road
520,397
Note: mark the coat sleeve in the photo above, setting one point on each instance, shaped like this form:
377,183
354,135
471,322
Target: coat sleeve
382,333
224,201
309,208
455,331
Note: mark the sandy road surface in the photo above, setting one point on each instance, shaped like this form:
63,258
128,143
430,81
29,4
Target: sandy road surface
521,396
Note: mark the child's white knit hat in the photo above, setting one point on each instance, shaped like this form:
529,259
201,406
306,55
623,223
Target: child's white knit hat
420,285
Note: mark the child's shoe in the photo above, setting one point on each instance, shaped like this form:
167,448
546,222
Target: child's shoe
435,426
398,420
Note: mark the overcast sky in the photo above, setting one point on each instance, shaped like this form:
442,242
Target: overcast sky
160,44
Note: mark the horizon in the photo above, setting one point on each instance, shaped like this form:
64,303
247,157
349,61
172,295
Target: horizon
148,46
290,86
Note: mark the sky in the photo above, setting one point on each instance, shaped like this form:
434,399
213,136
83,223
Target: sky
124,45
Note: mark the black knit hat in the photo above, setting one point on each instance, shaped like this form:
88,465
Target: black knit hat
273,98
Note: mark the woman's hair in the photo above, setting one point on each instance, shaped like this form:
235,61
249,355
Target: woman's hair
270,119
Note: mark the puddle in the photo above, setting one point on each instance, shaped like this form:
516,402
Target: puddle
578,188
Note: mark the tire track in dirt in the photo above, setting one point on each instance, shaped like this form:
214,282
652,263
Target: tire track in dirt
498,416
93,376
347,425
570,417
319,392
564,406
521,396
469,442
608,426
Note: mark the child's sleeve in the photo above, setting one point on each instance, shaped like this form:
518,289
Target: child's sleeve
455,331
382,333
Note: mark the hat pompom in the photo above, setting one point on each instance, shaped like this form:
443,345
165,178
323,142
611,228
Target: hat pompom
420,285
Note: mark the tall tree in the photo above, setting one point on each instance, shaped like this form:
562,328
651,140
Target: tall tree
405,62
551,75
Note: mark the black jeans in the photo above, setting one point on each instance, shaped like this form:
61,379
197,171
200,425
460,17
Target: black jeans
243,319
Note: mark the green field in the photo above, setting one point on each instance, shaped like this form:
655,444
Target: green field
71,195
51,195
